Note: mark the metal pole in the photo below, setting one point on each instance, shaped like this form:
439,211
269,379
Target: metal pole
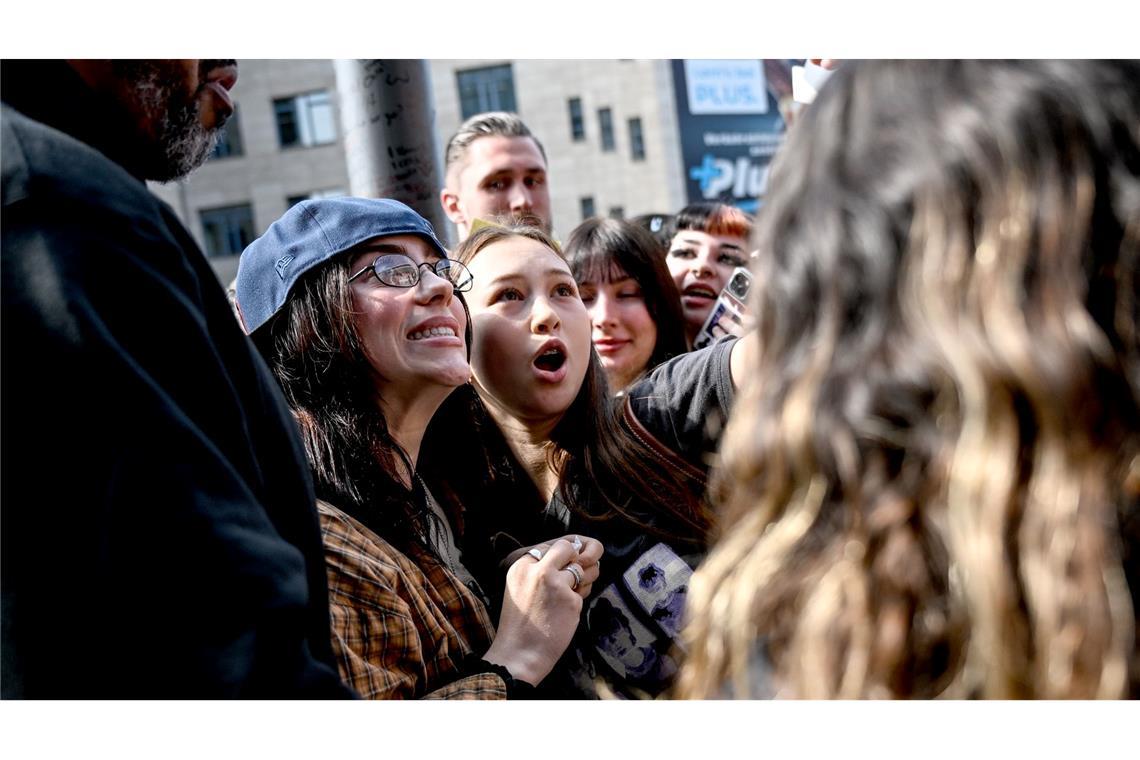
389,134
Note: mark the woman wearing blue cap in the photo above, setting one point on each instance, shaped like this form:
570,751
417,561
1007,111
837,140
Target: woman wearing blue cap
354,304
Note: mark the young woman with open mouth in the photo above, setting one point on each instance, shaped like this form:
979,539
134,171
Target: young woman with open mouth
630,472
711,240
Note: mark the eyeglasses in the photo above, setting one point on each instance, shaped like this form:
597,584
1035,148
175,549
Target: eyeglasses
399,271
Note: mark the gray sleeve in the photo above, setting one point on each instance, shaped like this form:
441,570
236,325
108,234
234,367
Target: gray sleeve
685,402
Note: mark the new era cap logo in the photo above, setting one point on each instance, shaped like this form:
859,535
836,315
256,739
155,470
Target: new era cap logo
281,264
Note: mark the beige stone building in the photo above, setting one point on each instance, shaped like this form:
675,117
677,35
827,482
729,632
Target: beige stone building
609,128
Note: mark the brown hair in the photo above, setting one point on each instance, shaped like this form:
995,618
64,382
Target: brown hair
932,476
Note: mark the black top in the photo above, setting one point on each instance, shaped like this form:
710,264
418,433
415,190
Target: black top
685,401
631,622
159,534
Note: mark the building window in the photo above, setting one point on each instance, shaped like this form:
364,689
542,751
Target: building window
230,144
227,230
636,140
305,120
487,89
587,204
617,212
606,122
577,123
293,200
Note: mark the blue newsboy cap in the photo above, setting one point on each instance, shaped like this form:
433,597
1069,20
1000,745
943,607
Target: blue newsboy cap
309,234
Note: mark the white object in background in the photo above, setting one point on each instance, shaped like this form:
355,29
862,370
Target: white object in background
806,81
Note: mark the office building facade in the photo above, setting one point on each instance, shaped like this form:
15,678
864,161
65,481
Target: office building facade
609,128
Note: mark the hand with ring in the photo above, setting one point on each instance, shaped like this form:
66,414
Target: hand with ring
587,562
545,590
575,570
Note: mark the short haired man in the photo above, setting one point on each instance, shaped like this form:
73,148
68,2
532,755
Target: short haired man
494,168
159,533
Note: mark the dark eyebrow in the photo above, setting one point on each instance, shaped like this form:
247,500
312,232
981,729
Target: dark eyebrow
731,246
508,171
605,278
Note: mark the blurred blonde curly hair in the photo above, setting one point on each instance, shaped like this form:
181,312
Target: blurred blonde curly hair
931,482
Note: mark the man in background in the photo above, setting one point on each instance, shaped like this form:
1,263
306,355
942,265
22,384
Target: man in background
159,531
494,168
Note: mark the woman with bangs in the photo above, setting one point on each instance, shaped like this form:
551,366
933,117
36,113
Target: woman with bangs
630,472
932,475
710,240
633,305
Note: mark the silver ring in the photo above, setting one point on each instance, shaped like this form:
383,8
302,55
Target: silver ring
536,553
573,568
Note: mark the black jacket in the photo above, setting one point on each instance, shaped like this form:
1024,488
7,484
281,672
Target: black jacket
159,535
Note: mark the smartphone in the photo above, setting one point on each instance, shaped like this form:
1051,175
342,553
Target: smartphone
729,315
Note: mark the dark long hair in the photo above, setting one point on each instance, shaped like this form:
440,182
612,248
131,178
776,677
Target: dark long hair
605,250
604,470
933,471
315,352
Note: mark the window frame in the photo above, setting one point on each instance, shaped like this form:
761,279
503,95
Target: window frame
224,217
636,139
606,129
493,88
300,108
577,120
587,202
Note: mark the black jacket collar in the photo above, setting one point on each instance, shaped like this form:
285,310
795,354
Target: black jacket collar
50,92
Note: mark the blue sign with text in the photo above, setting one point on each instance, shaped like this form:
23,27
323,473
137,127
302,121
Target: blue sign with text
732,118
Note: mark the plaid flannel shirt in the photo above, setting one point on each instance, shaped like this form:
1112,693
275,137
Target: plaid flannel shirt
401,629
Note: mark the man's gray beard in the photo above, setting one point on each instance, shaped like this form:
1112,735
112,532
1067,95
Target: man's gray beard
184,142
188,146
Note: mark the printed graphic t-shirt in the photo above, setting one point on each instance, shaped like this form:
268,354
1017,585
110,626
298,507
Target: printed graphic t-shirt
632,619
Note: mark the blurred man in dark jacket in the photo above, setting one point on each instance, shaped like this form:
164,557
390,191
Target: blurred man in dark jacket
159,537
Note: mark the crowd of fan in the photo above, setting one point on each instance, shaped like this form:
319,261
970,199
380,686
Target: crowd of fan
502,470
